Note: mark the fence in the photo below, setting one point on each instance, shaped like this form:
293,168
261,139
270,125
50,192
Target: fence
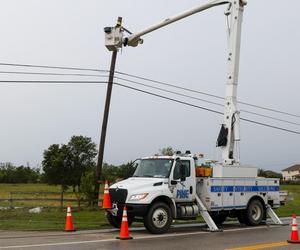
43,199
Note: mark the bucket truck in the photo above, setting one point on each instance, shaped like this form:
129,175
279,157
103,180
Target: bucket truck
167,188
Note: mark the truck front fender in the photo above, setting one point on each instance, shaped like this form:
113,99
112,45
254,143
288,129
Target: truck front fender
170,202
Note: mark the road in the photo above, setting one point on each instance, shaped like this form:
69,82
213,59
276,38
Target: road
233,237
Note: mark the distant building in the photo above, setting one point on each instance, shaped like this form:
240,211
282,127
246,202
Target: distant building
291,173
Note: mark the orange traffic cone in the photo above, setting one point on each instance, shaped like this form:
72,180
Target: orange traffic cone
124,232
106,197
294,234
69,224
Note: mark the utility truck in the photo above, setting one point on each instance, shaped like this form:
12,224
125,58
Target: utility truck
166,188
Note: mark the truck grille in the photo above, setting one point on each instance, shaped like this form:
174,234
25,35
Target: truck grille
118,195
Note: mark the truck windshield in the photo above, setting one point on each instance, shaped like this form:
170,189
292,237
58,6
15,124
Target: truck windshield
156,168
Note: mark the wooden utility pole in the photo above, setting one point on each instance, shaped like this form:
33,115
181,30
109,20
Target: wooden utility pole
105,117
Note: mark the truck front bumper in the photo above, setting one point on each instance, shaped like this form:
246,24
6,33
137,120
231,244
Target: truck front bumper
133,210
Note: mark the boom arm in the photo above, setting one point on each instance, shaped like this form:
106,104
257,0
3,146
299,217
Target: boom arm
229,134
135,39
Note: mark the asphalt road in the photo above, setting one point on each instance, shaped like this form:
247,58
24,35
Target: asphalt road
233,237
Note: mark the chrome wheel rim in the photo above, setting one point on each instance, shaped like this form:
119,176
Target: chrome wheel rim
160,218
256,212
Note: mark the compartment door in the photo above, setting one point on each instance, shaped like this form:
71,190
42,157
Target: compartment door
239,194
228,194
216,194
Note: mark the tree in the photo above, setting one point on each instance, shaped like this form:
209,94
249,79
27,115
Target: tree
87,186
12,174
168,151
55,166
81,157
65,165
126,170
268,174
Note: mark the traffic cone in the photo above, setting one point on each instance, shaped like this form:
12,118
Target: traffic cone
106,197
294,234
69,224
124,232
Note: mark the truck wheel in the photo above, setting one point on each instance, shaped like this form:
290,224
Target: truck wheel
158,219
255,213
219,218
115,221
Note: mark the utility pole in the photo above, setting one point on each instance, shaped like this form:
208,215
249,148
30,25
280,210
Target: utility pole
105,116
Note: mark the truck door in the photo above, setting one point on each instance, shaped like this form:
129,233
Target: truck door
184,190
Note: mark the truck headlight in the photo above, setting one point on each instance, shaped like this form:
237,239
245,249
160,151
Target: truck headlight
137,197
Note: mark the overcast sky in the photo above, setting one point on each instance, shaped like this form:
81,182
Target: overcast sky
190,53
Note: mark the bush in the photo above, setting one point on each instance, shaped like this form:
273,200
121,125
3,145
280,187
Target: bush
87,186
113,173
21,174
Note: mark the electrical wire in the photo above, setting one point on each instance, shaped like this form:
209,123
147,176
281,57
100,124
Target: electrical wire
49,74
207,94
154,94
207,101
51,67
145,85
210,110
150,80
53,82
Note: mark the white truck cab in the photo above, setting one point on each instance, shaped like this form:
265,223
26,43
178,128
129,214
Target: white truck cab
165,188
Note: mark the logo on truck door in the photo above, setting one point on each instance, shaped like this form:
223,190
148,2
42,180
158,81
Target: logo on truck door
182,193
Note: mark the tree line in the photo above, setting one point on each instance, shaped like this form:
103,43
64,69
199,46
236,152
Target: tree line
72,165
18,174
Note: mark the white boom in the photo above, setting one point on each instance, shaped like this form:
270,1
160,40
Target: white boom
229,134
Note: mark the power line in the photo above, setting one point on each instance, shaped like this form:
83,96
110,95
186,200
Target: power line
51,67
49,74
207,101
210,110
157,95
270,117
207,94
146,85
150,80
53,82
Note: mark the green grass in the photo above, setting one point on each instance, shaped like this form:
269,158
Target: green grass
7,189
54,219
293,204
51,219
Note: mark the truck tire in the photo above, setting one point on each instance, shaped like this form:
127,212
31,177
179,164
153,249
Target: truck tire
219,218
116,221
255,213
158,219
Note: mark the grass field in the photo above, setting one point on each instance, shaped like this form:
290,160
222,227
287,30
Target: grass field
292,206
11,191
49,218
86,218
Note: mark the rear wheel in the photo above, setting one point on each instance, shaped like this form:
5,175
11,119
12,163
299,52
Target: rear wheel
158,219
255,213
116,221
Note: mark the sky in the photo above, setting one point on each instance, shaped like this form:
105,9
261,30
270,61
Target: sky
190,53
